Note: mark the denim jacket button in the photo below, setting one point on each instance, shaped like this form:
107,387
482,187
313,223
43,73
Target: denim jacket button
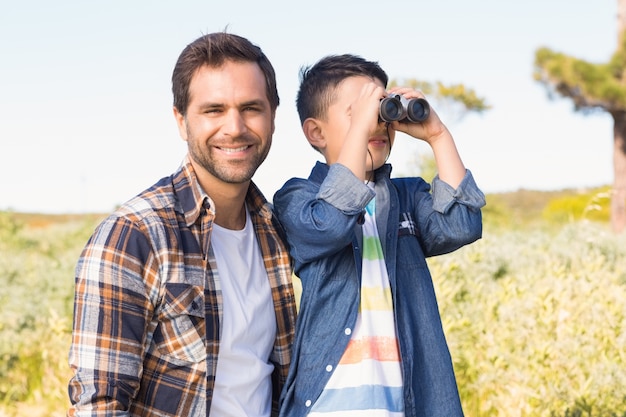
348,331
307,403
329,368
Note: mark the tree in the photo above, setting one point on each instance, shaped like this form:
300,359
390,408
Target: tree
595,87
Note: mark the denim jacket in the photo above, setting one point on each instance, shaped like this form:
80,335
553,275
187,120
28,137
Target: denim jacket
322,217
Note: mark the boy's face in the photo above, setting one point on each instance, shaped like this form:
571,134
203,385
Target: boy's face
339,118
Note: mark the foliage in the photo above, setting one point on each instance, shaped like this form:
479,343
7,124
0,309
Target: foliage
36,293
589,85
592,87
536,321
579,206
534,314
546,209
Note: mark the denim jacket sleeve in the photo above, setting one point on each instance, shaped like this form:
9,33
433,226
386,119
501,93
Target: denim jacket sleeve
468,193
449,218
319,217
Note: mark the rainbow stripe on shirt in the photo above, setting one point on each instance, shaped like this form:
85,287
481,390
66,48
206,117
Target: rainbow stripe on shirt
368,379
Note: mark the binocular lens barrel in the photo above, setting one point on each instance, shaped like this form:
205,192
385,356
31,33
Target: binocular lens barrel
391,109
396,107
417,110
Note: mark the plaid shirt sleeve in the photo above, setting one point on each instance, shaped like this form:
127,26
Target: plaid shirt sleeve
113,306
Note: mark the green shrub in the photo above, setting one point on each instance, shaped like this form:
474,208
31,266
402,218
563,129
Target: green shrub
36,293
536,322
591,205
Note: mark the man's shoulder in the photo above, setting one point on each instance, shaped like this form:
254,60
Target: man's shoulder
158,197
153,207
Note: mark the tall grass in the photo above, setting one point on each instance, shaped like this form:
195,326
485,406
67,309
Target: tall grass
536,322
535,316
36,295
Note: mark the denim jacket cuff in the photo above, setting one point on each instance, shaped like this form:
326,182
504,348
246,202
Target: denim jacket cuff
468,193
343,190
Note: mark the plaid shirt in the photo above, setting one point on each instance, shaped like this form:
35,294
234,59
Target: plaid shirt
148,304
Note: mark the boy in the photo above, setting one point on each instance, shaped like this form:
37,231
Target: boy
369,339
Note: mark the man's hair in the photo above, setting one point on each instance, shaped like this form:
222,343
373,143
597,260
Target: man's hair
214,50
318,83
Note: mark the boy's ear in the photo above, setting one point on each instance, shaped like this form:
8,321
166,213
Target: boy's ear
314,133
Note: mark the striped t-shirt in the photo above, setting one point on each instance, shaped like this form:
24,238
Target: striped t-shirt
368,379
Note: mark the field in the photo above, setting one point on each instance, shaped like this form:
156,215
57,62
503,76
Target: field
534,313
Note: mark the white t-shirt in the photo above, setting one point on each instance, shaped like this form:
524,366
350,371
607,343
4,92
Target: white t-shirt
243,385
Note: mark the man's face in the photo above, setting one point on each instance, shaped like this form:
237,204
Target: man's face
229,123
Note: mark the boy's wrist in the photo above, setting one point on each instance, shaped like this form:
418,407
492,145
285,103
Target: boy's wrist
439,137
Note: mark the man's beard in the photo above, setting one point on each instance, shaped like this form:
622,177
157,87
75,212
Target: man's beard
231,171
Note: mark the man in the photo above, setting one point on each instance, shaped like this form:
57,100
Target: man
183,299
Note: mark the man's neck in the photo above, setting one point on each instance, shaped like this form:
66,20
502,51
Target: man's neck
229,200
230,213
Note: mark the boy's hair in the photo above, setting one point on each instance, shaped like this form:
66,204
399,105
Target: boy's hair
318,82
214,50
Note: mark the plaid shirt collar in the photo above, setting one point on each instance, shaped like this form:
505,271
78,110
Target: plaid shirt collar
193,199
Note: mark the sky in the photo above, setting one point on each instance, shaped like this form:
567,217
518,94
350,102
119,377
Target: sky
86,116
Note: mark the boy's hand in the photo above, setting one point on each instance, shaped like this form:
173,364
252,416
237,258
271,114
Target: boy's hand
356,122
429,130
364,110
449,165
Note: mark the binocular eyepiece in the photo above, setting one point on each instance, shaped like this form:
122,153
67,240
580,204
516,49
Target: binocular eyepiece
397,107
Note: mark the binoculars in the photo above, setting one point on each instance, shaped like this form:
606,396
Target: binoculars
397,107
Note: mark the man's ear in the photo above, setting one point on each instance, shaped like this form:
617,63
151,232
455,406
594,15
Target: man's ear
181,122
313,131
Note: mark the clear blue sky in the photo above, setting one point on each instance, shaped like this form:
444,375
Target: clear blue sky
85,101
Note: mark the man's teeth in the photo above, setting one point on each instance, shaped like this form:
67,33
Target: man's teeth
233,150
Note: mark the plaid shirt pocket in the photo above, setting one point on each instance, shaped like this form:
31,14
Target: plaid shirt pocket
180,334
